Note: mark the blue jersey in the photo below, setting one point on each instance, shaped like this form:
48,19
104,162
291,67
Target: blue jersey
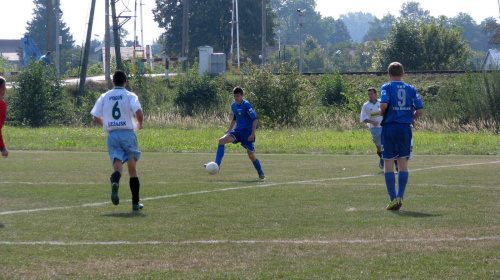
402,100
46,60
244,115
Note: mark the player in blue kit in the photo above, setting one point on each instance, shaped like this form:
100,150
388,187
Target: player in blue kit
245,120
400,106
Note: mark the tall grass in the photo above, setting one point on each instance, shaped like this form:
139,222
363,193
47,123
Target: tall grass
459,103
467,103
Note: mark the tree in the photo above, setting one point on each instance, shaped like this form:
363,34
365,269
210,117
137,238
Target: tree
335,31
412,10
288,19
209,25
493,28
325,30
38,99
424,46
379,28
357,24
473,32
314,60
37,28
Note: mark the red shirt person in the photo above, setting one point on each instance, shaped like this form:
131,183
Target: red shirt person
3,113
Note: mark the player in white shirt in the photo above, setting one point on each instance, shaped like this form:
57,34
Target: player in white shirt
119,112
371,116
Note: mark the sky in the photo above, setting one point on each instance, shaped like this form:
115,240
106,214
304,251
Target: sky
16,13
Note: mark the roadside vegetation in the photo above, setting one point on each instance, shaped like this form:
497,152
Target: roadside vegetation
467,102
298,114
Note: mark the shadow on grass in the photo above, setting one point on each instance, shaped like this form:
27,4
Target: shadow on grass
2,226
415,214
132,214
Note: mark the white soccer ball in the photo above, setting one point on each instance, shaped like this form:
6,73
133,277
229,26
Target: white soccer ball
212,168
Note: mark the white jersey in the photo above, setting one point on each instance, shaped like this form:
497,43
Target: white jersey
371,111
117,108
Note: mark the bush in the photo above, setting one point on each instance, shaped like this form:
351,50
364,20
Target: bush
38,99
277,100
196,95
472,100
331,88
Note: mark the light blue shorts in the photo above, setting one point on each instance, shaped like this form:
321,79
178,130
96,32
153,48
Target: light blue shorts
122,145
376,135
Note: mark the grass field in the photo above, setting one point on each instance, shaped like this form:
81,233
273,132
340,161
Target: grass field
315,217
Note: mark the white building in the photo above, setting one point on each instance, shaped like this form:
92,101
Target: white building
492,60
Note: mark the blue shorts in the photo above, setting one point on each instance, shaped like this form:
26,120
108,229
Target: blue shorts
397,141
376,135
241,136
122,145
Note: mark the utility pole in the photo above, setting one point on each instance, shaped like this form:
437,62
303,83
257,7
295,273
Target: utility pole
302,20
264,33
57,11
185,33
116,35
50,26
107,46
83,74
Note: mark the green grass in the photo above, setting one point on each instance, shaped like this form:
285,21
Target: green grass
318,216
204,139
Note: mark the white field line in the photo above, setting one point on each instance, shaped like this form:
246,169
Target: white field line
236,188
266,242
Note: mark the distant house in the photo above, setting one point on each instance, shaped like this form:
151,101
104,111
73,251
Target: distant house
9,49
492,60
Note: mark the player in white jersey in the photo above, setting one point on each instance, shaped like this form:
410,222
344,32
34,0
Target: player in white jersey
119,113
371,116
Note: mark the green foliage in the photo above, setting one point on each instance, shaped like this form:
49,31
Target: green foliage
195,94
473,33
87,102
38,99
38,28
357,24
326,30
92,70
155,95
379,28
492,28
331,89
208,24
424,46
356,93
471,100
277,99
5,65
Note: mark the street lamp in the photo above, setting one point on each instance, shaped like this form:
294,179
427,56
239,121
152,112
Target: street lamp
302,20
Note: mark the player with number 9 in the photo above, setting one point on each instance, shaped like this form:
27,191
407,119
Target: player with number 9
400,106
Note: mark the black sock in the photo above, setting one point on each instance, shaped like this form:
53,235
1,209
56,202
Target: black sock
115,177
134,188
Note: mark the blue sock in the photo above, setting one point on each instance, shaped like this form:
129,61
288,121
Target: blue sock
257,166
390,183
402,181
220,154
